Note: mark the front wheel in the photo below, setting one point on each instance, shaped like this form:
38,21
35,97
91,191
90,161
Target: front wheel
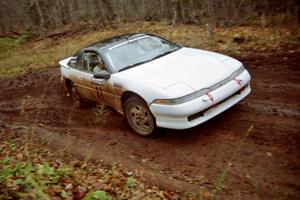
139,117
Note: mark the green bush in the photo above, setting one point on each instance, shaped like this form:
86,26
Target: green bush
10,42
98,195
23,179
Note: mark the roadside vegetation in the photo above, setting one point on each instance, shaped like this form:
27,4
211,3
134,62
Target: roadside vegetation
30,170
18,56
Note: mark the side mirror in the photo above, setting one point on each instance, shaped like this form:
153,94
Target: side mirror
102,75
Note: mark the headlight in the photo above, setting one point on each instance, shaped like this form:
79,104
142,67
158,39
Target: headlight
199,93
182,99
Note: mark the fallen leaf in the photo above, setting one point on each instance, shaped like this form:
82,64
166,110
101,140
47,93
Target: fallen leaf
269,154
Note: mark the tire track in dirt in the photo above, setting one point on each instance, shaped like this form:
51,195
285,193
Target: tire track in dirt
191,160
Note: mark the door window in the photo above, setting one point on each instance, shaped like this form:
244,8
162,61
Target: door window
89,61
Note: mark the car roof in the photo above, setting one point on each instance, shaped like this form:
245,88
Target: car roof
110,42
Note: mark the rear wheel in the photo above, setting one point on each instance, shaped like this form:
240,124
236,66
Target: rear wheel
139,117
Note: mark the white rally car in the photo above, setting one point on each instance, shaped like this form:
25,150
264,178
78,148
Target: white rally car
154,82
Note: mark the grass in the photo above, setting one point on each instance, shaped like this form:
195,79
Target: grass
6,42
22,56
224,173
101,113
32,171
31,180
220,184
98,195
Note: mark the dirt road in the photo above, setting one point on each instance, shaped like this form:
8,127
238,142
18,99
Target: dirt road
220,154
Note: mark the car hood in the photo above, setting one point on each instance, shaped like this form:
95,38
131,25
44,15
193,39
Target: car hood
185,71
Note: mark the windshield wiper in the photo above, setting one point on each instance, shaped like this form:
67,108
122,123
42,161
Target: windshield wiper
161,55
139,63
130,66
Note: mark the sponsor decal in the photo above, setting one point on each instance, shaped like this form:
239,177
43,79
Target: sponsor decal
211,98
239,82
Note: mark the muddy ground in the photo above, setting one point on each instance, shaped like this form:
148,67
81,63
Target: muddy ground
261,164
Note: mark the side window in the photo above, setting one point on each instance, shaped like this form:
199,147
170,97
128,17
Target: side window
76,61
92,62
88,61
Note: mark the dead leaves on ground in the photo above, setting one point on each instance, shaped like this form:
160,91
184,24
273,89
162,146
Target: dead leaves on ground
32,171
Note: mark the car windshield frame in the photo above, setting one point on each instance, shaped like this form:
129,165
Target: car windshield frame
108,56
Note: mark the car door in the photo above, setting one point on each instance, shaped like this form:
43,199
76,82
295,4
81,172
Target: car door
105,89
83,75
95,89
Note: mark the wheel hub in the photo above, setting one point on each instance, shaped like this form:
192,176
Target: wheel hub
140,117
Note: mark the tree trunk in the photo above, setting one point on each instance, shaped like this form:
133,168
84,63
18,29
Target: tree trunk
41,15
175,14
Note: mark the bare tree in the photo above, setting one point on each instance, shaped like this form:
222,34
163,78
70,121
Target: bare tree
41,15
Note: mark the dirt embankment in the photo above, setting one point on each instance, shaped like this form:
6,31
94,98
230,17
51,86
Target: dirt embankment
263,164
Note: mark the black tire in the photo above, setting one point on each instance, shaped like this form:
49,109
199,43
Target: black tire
76,98
139,117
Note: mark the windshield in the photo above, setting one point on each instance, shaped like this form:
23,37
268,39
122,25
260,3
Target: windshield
138,51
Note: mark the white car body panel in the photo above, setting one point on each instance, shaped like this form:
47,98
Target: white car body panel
189,67
176,116
175,75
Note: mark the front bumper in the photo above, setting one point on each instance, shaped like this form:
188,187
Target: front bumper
199,110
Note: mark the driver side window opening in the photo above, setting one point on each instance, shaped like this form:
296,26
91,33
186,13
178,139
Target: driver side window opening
89,61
